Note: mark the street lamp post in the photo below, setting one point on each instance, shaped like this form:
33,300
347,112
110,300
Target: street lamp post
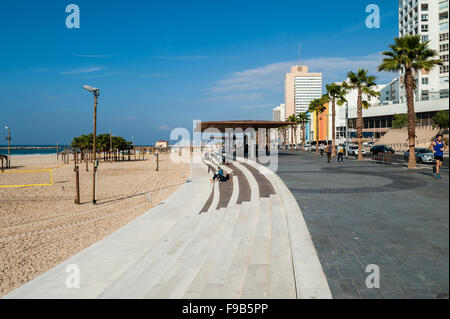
8,163
96,93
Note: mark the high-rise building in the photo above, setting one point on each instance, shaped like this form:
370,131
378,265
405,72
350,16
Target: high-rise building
429,19
300,89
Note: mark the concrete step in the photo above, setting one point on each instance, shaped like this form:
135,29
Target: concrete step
127,286
177,278
257,284
220,260
235,278
282,279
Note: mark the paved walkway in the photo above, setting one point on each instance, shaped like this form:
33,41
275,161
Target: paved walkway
244,239
361,213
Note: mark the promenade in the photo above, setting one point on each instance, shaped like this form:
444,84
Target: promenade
242,239
361,213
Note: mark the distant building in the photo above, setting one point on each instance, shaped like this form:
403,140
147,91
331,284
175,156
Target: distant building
279,113
162,144
390,94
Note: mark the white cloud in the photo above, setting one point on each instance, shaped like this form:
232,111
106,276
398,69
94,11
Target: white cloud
94,55
84,70
163,128
235,97
182,57
271,77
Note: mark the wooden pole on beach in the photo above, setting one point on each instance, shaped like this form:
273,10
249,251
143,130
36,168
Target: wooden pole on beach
57,157
94,151
77,185
157,161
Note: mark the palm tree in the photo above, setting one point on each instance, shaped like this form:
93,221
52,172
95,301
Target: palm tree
317,107
292,118
302,120
365,85
335,94
410,55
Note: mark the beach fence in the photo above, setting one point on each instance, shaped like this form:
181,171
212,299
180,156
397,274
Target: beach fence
26,178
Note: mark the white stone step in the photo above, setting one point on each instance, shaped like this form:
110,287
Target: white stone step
176,280
257,282
235,279
210,255
282,280
129,286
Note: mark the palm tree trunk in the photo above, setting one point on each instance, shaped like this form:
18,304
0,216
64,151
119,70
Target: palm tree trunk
317,132
359,125
295,136
284,138
333,127
292,139
411,118
303,137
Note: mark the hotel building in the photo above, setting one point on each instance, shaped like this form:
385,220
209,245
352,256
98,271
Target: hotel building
301,87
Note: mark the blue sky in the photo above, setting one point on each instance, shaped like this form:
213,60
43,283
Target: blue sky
162,64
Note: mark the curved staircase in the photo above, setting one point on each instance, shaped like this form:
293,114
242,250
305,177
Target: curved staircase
245,238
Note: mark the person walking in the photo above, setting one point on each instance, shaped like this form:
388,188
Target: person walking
321,149
438,147
329,151
340,150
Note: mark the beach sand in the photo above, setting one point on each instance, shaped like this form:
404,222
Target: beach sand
41,226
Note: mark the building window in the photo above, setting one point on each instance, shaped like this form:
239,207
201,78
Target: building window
424,81
443,37
424,17
444,94
424,38
424,7
443,26
444,58
425,95
444,69
443,47
424,27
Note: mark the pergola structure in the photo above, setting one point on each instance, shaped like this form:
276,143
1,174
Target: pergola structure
224,127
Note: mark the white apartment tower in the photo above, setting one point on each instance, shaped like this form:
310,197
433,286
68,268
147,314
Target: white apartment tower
429,19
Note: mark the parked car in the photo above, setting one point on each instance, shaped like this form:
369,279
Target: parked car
381,149
423,155
353,150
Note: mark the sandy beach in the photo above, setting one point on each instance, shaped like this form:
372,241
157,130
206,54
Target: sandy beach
40,226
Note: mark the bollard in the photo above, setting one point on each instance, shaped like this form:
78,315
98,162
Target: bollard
77,185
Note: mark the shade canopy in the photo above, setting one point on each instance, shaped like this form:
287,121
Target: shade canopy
223,125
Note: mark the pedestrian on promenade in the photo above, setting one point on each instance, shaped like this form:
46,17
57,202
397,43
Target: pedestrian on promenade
329,151
321,149
438,147
340,150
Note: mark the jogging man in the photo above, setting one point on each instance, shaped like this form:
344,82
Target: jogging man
438,147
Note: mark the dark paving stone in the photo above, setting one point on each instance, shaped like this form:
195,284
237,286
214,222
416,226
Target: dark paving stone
245,192
361,213
265,186
225,190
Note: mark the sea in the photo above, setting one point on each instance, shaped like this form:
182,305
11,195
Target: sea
33,151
